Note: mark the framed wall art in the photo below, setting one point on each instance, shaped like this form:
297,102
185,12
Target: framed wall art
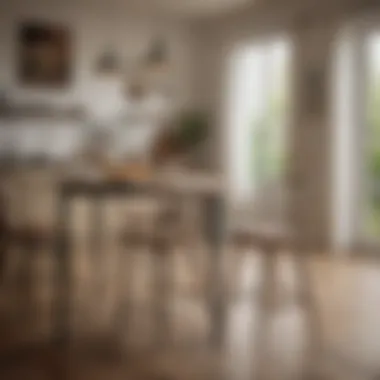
44,54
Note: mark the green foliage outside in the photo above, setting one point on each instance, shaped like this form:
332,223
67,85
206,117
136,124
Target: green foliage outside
268,161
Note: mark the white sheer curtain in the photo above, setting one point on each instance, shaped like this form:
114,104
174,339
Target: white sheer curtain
356,80
345,152
243,82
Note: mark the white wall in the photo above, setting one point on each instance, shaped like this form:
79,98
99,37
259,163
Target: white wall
94,27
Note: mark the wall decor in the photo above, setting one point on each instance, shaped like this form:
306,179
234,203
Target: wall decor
44,54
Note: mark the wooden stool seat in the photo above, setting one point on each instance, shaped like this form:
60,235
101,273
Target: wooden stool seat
267,239
158,242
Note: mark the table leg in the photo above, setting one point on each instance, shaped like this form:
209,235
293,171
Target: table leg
214,228
62,301
161,251
124,306
96,240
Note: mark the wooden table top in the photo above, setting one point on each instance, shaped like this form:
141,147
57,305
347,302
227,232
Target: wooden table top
188,182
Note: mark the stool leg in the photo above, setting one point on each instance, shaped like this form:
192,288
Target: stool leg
96,245
215,216
269,280
264,313
31,253
61,305
161,292
309,303
165,225
124,300
237,256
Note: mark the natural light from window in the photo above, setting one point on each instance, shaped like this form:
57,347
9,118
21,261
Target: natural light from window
258,122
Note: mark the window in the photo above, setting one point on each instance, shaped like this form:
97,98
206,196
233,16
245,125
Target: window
357,139
258,119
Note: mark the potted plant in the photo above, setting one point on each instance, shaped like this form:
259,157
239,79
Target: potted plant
183,138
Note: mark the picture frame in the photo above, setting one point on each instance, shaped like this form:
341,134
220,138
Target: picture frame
44,54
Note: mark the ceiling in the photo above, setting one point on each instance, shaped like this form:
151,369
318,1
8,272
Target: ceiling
201,7
185,8
192,8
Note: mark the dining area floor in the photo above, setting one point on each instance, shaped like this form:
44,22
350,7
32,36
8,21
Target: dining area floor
119,330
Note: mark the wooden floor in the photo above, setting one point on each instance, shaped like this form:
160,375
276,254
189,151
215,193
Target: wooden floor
257,344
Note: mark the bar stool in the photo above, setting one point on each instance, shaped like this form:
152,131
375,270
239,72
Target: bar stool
270,243
158,235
